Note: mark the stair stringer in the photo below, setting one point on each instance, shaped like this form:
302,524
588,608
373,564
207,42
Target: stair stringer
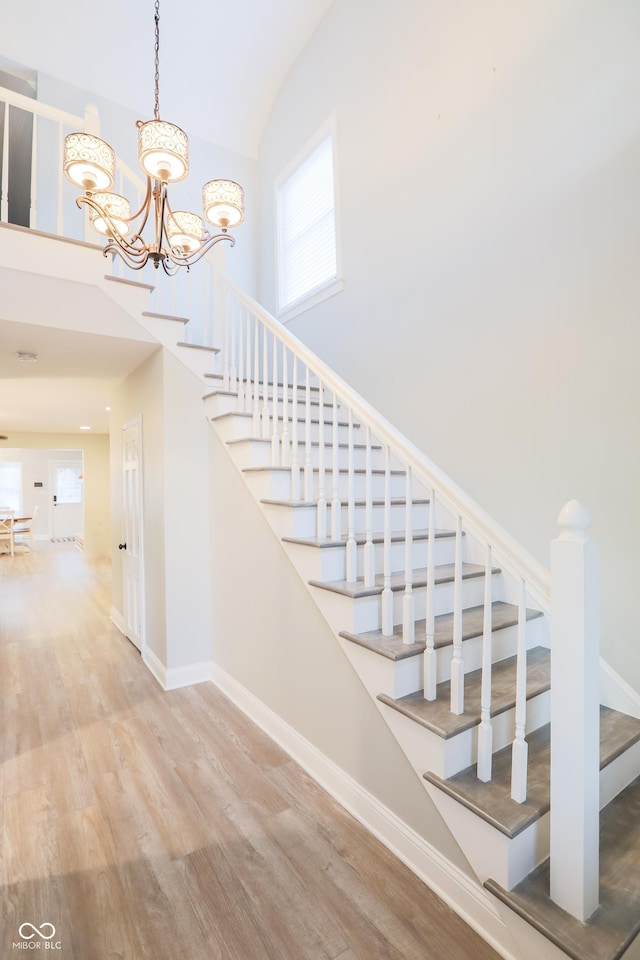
380,675
479,910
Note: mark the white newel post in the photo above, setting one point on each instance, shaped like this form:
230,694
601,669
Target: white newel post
575,715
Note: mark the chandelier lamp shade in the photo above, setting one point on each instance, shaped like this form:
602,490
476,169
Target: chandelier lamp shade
179,238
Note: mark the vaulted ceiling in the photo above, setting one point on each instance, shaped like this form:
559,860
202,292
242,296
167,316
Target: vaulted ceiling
221,63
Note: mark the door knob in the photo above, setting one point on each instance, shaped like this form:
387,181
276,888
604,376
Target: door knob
122,546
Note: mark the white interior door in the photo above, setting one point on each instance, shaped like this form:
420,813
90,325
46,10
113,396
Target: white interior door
67,499
131,544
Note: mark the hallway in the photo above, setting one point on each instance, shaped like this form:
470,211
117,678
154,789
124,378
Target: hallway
143,824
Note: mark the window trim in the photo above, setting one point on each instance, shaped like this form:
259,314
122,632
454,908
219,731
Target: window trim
334,285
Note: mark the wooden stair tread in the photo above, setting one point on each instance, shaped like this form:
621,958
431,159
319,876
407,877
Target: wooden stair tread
397,536
393,647
198,346
241,413
444,573
395,502
328,472
492,801
267,440
164,316
616,922
436,716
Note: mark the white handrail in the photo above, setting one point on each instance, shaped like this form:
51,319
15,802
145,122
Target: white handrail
40,109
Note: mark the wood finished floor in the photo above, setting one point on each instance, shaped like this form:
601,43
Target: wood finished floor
144,824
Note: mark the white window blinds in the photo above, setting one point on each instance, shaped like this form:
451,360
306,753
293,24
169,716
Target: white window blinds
306,215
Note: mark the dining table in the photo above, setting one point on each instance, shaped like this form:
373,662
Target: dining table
21,547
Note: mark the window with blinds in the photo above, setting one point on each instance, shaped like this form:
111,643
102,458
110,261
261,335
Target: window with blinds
306,227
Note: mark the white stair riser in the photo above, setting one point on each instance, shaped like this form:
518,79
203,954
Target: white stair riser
364,613
618,774
253,452
226,402
300,521
426,750
329,563
504,644
276,484
200,361
395,678
490,852
233,427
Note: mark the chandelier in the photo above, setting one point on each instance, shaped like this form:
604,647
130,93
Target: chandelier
180,238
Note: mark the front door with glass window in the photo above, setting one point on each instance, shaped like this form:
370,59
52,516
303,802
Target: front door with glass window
67,500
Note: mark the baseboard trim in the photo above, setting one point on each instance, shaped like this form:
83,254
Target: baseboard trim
187,676
155,667
117,620
464,896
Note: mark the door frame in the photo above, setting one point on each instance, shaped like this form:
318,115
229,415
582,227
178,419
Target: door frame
51,470
135,422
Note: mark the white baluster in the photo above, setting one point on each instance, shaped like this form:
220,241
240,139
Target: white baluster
5,171
430,657
256,376
322,503
4,184
308,465
369,547
295,462
336,507
285,449
457,664
387,593
275,439
233,369
520,748
265,384
248,394
190,308
226,310
204,315
241,393
33,211
351,549
408,602
485,730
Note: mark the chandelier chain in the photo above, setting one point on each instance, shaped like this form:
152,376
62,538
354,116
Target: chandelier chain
156,108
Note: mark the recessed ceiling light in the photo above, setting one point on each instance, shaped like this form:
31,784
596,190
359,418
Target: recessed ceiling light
107,408
85,428
24,357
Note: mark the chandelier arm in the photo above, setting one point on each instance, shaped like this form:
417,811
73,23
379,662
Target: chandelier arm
131,248
143,209
188,260
135,264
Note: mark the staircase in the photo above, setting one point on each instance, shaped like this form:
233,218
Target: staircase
446,620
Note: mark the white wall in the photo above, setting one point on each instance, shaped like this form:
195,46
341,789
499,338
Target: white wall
488,172
175,507
36,449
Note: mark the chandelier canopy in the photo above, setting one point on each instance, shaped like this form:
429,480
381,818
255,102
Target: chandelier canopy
180,238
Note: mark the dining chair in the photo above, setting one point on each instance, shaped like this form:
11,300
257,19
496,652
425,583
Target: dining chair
24,531
6,527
